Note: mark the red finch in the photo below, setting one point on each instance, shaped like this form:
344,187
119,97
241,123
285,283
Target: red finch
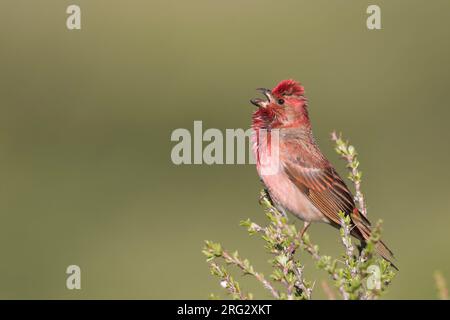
304,182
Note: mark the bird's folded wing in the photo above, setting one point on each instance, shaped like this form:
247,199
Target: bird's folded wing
307,168
317,179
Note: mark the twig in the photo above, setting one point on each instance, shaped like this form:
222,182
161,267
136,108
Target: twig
284,233
228,282
301,283
348,152
289,264
441,285
244,266
347,242
314,252
328,291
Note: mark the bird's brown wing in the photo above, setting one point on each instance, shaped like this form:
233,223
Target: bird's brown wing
312,174
317,179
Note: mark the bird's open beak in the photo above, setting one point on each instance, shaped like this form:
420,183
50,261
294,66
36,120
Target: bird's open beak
262,102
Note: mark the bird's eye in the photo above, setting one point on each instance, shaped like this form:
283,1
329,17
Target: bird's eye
280,101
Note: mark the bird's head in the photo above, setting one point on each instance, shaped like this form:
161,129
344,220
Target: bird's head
283,107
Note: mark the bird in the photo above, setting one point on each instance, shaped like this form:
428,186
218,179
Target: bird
296,174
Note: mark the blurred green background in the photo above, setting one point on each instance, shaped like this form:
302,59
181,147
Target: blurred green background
86,118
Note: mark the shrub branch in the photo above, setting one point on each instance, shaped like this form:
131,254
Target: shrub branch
349,154
360,275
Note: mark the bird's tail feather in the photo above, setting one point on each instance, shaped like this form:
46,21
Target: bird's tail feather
363,231
385,252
